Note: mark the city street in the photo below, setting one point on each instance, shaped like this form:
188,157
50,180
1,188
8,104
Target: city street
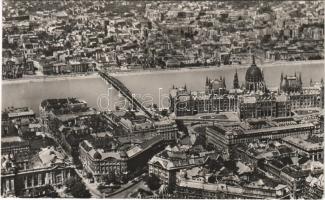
126,193
92,187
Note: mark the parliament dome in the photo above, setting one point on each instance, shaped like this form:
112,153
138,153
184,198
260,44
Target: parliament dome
254,78
254,73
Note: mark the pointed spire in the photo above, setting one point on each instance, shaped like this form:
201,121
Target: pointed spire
24,58
253,59
262,74
236,82
224,82
185,87
311,81
300,79
281,76
173,86
207,81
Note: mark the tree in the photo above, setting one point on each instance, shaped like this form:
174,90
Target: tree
76,160
68,45
77,188
181,126
212,179
149,25
200,140
50,191
101,187
69,183
89,175
153,182
164,112
231,165
214,165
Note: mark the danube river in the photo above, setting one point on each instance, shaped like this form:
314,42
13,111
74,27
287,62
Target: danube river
146,85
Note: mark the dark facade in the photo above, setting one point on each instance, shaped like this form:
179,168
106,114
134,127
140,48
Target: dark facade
262,106
28,183
187,103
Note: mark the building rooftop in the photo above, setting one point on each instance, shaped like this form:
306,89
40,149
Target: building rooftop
69,116
177,161
11,139
308,143
100,153
262,150
49,156
19,112
278,128
104,155
133,151
64,105
257,126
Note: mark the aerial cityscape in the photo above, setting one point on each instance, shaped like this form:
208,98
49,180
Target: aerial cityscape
162,99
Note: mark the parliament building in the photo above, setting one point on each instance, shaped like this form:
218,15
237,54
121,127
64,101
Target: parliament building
253,100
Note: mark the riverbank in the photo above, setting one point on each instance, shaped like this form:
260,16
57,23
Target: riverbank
31,79
34,79
215,68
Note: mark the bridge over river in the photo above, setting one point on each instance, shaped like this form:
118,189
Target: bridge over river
118,85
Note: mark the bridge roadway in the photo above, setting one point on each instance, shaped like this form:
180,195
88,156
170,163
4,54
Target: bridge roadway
118,85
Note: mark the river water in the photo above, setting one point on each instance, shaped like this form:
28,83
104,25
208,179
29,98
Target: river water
145,86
